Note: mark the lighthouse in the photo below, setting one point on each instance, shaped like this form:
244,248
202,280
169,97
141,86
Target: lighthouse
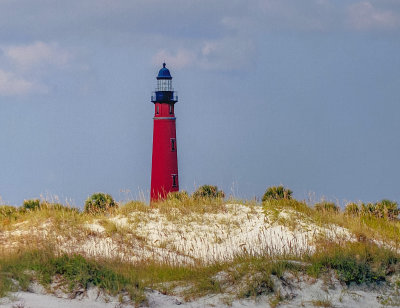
164,168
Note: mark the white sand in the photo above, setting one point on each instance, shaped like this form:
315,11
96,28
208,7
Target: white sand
206,237
33,300
185,239
299,291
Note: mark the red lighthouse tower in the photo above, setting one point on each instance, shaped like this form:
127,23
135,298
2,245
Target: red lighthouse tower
164,169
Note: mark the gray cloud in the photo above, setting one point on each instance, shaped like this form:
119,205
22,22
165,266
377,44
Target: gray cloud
37,54
364,16
23,66
109,20
13,85
230,53
206,34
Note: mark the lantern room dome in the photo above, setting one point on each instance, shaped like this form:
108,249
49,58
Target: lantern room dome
164,73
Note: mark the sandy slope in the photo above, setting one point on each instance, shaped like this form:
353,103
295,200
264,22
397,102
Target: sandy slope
192,238
182,239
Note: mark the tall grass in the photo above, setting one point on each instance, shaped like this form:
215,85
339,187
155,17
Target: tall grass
71,272
362,260
245,276
354,262
363,225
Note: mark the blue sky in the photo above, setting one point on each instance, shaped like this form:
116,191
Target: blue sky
300,93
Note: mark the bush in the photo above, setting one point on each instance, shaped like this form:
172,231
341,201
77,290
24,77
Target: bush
277,193
208,191
367,209
99,203
382,209
352,209
326,206
178,195
386,209
31,205
354,262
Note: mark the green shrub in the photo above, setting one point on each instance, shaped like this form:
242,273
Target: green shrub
354,262
99,203
33,204
208,191
277,193
326,206
178,195
349,269
352,209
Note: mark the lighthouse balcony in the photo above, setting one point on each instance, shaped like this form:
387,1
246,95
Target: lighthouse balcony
164,96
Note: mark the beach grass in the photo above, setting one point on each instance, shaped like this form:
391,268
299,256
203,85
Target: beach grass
33,251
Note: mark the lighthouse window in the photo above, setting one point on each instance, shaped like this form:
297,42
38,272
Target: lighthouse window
164,85
174,178
173,142
171,109
157,109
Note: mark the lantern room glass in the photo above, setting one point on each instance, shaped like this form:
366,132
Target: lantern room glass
164,85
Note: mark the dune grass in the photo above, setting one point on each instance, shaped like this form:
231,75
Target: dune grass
354,262
363,226
362,260
70,272
245,276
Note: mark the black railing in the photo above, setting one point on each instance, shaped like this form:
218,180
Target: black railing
164,96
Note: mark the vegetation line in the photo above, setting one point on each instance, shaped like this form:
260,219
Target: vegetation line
32,235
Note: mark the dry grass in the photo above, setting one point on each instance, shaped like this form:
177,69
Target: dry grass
363,227
147,246
327,303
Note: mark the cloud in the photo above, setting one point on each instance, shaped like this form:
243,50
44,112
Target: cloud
129,21
364,16
328,15
12,85
37,54
25,66
225,54
181,59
